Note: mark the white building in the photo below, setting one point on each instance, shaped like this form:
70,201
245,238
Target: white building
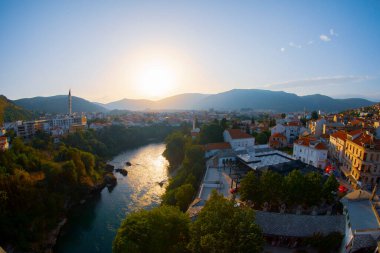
291,130
311,151
362,222
238,138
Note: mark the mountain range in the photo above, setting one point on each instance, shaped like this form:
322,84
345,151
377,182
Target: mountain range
278,101
58,104
235,99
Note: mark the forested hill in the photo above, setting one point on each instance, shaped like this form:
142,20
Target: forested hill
11,112
58,104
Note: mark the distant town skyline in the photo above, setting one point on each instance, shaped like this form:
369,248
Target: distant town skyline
106,51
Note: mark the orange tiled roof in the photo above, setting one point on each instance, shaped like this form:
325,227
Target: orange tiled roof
320,146
238,134
355,132
218,145
275,143
340,135
293,123
278,135
305,141
363,139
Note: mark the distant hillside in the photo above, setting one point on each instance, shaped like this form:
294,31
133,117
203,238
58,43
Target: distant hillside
130,104
58,104
10,112
278,101
178,102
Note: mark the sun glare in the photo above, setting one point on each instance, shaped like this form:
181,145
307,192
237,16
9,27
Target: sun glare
156,78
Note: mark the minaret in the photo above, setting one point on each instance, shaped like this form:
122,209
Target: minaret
70,104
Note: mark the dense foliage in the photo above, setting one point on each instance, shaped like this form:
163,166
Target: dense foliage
162,229
326,243
293,189
36,183
114,139
175,149
10,112
220,227
182,187
212,132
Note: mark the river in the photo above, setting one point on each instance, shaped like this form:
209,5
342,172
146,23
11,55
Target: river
93,226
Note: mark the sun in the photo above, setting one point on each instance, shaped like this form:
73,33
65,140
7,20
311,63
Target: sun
156,78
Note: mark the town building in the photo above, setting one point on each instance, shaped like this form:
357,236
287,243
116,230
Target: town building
362,158
362,230
311,151
337,146
212,149
316,126
291,130
278,140
238,139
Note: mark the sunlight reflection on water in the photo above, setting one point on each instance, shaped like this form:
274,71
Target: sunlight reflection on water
93,228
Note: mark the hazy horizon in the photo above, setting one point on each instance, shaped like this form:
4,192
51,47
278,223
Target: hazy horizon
207,94
107,51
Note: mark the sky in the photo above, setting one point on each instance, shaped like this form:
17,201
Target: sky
108,50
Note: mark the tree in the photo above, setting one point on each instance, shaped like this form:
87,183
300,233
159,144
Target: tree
314,115
211,133
162,229
222,227
283,115
272,122
261,138
184,195
271,184
329,187
175,149
313,188
294,187
223,123
250,188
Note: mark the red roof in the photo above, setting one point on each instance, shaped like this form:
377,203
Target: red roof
355,132
238,134
306,141
218,145
293,123
278,135
340,135
320,146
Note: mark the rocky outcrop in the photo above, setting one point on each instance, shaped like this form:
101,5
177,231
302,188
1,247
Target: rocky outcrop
52,237
110,179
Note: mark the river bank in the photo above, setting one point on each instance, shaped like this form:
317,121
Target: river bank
92,226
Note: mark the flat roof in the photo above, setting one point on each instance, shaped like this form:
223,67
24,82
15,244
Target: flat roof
361,215
264,159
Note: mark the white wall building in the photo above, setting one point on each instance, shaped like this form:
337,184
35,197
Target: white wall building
238,139
362,222
291,130
311,151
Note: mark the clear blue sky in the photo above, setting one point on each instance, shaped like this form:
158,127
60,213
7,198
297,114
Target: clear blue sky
96,48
